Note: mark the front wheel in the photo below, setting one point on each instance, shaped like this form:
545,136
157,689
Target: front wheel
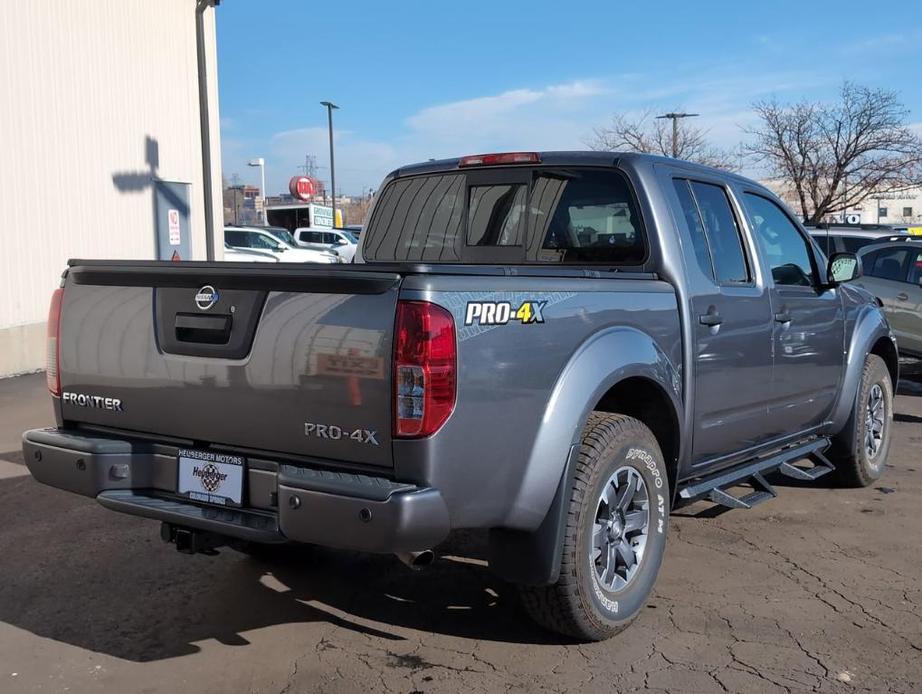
860,450
615,535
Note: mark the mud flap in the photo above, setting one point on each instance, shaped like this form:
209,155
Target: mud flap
533,558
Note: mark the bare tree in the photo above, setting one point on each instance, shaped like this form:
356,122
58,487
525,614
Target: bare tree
835,156
652,136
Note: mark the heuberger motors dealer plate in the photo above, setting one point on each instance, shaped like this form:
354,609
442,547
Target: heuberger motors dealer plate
212,478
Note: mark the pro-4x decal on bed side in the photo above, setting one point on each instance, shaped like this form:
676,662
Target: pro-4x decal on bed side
503,312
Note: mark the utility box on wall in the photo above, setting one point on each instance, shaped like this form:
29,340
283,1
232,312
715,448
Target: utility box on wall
174,230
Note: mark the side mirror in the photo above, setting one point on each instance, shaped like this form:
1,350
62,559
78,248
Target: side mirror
844,267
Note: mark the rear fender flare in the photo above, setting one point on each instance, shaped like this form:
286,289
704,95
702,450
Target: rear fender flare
603,360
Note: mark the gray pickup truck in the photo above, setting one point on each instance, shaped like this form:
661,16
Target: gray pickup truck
555,347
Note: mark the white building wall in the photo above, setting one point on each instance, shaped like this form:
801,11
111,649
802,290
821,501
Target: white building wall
86,89
892,207
900,208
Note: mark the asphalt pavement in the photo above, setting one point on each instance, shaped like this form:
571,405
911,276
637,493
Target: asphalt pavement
818,590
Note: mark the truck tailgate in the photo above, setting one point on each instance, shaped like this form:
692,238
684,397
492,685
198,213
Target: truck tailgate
294,359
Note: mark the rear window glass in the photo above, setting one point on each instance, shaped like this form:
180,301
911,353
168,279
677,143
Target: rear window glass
496,215
560,215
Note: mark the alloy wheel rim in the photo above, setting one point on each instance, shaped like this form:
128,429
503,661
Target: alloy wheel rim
620,528
874,421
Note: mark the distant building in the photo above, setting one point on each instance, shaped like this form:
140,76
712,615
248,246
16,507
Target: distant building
248,192
243,204
901,208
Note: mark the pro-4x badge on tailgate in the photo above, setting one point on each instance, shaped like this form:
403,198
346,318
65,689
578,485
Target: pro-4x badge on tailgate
503,312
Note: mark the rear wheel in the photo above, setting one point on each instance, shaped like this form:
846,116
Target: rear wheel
860,450
615,535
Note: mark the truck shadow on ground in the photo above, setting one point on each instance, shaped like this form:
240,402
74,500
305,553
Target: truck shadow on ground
107,584
80,575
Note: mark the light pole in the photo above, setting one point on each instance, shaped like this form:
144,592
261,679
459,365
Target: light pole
674,117
235,181
261,163
330,106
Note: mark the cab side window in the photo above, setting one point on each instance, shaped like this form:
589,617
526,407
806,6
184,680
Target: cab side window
714,231
782,244
723,232
695,226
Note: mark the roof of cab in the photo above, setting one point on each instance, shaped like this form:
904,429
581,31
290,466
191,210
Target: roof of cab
576,158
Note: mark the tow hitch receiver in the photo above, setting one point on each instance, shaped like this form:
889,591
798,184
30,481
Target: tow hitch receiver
191,541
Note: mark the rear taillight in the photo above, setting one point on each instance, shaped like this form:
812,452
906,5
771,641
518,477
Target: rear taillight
500,158
424,368
53,364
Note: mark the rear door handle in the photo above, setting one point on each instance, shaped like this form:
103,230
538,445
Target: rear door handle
903,296
783,317
710,319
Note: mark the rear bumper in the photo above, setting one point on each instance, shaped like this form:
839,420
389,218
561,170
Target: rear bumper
284,502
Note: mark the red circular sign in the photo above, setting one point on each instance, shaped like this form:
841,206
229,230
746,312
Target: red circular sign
301,187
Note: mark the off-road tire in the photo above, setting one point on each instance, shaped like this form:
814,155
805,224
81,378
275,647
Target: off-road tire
854,466
574,605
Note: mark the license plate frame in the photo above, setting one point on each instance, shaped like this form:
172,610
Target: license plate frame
211,478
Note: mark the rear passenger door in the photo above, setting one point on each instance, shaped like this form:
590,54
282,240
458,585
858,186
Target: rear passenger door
808,339
733,325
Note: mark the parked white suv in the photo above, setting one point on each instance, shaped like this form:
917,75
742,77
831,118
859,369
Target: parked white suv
286,251
342,241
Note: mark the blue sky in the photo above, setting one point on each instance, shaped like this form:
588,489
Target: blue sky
432,79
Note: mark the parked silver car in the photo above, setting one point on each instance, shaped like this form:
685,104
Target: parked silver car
893,273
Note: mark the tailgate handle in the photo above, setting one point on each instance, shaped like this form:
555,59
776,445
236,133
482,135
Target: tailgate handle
210,330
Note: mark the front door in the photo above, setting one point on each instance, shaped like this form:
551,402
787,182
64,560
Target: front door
808,326
733,325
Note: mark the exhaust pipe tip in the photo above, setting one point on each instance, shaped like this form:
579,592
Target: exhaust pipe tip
417,560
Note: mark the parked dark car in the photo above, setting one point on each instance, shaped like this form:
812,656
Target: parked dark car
851,238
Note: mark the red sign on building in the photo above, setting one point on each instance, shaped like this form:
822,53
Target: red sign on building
302,187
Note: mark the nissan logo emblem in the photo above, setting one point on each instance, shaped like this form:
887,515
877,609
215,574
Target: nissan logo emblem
206,297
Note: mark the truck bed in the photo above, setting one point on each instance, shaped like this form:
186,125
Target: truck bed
305,345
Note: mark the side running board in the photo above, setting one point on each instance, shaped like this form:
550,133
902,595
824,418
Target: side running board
821,466
715,487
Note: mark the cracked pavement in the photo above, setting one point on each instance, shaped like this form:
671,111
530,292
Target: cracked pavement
819,590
